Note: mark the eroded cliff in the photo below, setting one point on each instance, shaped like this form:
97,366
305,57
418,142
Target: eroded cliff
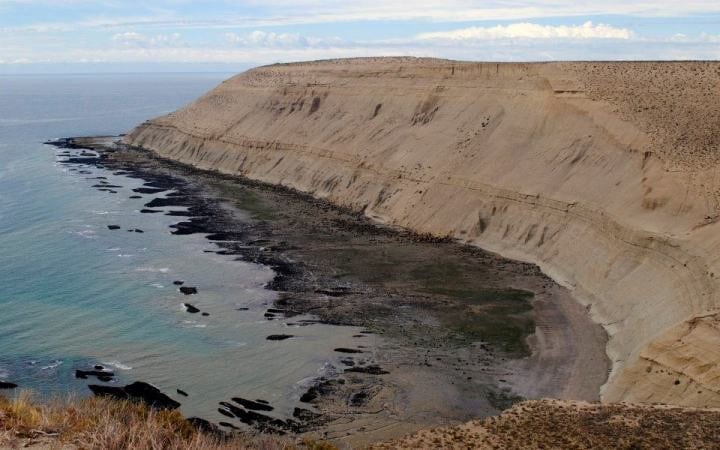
604,174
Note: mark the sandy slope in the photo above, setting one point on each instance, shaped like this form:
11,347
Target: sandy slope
604,174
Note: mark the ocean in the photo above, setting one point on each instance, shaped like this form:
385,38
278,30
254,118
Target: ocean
75,294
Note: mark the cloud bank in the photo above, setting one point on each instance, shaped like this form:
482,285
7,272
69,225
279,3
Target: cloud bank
268,31
527,30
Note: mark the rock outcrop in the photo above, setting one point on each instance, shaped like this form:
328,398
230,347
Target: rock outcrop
604,174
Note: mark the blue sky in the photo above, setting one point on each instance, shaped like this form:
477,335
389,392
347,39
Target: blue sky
42,35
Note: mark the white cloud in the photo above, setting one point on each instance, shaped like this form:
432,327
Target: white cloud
267,39
702,38
500,50
296,12
710,37
530,31
314,11
133,39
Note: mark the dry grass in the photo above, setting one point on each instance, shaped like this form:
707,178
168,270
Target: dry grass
99,423
554,424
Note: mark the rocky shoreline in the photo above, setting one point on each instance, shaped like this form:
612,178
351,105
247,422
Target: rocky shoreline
454,335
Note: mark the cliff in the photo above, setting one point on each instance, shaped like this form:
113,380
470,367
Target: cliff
604,174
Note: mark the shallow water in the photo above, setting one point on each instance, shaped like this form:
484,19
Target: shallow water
74,293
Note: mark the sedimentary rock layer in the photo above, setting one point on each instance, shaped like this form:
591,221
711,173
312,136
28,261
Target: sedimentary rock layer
604,174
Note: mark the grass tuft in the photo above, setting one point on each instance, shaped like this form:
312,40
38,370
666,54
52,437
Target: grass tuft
103,423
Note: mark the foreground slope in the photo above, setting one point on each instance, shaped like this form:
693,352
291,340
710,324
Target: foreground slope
604,174
542,424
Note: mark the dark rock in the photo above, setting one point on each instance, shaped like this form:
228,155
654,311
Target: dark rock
224,236
169,201
205,314
305,415
190,308
188,290
101,375
181,392
204,426
226,413
279,337
359,398
305,323
178,282
336,292
372,370
113,227
228,425
135,196
144,190
261,422
249,404
323,387
149,211
348,350
109,391
179,213
7,385
242,309
137,392
137,230
192,226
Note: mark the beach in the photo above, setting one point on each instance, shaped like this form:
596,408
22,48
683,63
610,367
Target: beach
449,332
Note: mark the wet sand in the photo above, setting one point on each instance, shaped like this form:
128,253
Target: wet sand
461,333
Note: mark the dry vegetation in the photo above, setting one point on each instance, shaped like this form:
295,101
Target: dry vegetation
99,423
552,424
677,103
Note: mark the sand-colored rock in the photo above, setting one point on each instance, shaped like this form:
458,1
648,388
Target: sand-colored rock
604,174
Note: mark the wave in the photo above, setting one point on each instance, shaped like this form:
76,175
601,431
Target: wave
153,269
53,365
87,234
116,364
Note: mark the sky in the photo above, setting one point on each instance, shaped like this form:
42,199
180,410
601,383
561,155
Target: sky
182,35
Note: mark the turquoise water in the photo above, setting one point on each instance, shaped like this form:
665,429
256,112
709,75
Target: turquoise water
74,294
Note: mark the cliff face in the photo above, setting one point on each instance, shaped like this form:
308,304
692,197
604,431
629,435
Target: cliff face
604,174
